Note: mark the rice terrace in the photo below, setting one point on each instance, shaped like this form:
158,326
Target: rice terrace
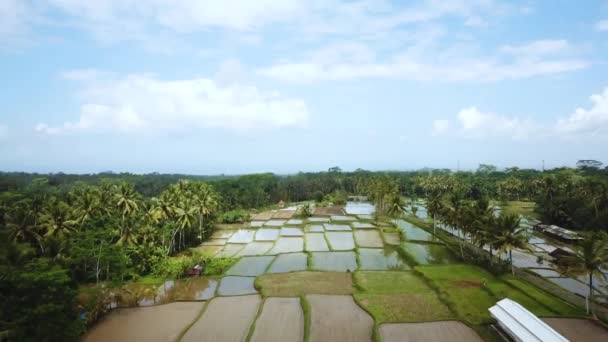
303,171
337,275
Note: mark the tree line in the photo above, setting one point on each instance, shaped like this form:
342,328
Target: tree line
60,230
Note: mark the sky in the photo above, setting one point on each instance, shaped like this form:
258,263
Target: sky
239,86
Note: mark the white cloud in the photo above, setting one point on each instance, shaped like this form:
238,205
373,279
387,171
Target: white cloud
477,124
602,25
510,62
119,20
538,48
440,127
581,124
592,122
145,103
133,19
15,16
230,72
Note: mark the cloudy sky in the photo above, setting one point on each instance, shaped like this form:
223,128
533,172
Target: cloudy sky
235,86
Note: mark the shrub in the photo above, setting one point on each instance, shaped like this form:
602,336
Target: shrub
176,267
235,216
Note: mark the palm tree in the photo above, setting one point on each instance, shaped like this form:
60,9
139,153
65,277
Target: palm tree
185,215
21,225
434,205
306,210
128,234
86,204
510,235
127,201
205,204
57,219
591,257
396,205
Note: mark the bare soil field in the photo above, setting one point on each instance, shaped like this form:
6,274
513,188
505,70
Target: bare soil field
225,319
154,323
338,318
284,214
282,319
263,216
578,330
328,211
428,332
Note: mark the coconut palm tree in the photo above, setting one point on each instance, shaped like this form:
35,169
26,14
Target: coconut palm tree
127,201
395,205
86,205
185,215
434,206
510,235
128,234
204,204
57,219
591,257
21,225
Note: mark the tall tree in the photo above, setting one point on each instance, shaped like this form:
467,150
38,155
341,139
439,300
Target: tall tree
510,235
591,257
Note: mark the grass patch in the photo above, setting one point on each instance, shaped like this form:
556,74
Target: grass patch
398,297
306,311
296,284
463,286
559,306
472,291
503,290
150,280
525,208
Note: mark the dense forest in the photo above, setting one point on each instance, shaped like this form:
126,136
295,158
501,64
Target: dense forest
59,230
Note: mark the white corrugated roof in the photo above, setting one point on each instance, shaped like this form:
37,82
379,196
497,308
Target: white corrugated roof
523,325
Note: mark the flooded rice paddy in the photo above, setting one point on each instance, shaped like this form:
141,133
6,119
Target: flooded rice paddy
380,259
250,266
315,242
430,253
339,243
236,286
289,263
288,245
267,234
242,236
369,238
334,261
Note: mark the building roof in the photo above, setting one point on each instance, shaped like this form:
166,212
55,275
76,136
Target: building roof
560,232
521,324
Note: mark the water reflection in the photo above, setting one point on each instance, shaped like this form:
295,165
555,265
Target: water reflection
359,208
191,289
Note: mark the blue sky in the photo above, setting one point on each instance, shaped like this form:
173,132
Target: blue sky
207,87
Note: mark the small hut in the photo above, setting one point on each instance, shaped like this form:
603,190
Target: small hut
195,271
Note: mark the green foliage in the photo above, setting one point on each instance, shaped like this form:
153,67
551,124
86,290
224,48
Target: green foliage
337,197
38,302
398,297
176,267
234,216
